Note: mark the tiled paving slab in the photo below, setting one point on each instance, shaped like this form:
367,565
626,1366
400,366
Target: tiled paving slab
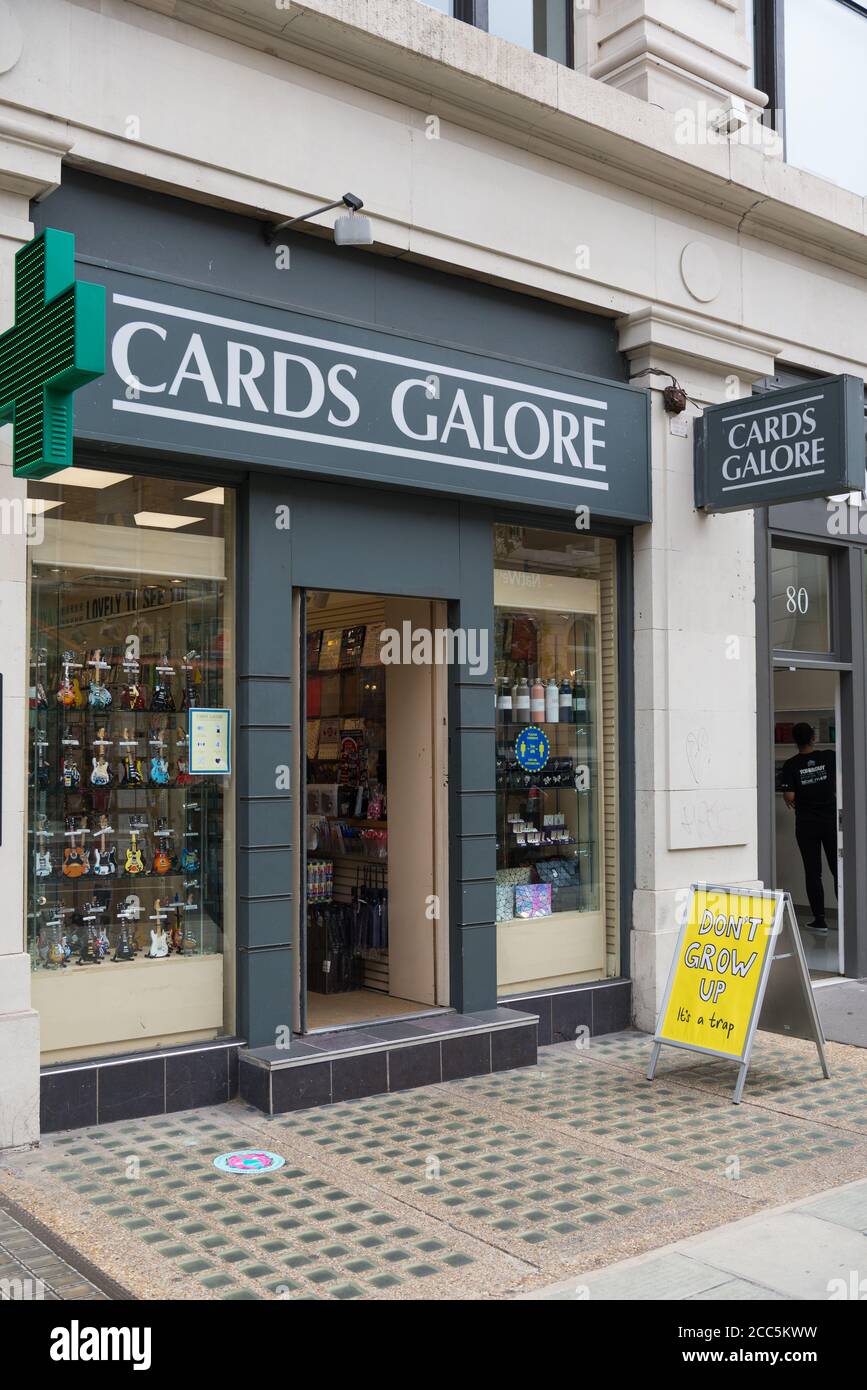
687,1130
484,1187
293,1233
784,1075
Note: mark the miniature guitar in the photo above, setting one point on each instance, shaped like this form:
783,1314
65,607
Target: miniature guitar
124,950
105,857
159,772
192,680
100,696
183,778
43,866
101,774
162,859
189,859
130,772
71,776
76,859
132,696
65,691
162,700
134,863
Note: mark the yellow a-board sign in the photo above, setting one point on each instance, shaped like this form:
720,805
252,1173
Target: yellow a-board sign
718,968
738,960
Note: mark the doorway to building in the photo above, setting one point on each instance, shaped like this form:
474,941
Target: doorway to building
374,859
808,819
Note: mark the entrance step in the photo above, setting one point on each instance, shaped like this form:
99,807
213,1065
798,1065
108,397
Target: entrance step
325,1068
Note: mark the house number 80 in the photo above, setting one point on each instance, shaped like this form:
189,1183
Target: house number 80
797,600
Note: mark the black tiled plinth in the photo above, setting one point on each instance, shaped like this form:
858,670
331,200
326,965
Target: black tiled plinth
602,1007
332,1067
103,1089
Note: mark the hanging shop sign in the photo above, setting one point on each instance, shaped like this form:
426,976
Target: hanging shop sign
56,345
784,446
738,965
210,736
195,372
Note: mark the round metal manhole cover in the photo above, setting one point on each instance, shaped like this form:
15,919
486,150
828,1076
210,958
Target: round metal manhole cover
248,1161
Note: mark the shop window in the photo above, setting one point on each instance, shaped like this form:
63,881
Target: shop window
556,758
542,26
130,898
800,588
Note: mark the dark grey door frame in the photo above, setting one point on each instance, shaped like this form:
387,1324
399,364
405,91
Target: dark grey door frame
847,620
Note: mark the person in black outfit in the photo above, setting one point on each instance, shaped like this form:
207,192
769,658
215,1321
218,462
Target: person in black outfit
809,786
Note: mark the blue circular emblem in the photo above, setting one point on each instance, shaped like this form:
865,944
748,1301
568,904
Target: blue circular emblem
248,1161
532,748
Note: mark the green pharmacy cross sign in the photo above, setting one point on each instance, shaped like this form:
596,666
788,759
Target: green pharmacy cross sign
57,344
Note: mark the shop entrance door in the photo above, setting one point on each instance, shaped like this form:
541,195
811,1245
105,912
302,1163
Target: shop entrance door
809,830
373,833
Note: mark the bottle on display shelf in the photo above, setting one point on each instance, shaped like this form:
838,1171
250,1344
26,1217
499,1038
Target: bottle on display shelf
537,701
521,701
504,701
552,702
566,711
579,698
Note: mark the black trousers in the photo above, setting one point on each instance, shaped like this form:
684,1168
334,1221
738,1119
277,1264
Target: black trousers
813,835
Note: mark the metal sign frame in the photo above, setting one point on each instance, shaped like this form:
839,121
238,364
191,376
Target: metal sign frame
783,932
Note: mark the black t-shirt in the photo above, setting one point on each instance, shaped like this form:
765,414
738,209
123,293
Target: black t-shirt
813,779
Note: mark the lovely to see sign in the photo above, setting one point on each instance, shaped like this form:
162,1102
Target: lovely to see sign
806,441
197,372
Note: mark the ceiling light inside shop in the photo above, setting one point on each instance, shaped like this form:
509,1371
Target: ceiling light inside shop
214,495
87,477
165,521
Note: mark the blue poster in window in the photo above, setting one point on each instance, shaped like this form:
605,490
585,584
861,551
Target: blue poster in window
210,735
532,748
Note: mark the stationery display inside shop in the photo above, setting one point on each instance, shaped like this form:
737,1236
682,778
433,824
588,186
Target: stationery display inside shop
127,844
346,830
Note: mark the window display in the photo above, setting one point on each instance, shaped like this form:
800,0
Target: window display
130,630
554,677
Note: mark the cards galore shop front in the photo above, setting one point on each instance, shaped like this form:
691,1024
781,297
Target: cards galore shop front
377,520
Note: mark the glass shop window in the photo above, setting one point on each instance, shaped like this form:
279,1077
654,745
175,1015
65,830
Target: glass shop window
801,603
130,884
556,758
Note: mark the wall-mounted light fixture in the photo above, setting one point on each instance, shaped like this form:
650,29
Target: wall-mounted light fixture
348,231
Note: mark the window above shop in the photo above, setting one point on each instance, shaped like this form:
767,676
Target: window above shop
542,26
810,59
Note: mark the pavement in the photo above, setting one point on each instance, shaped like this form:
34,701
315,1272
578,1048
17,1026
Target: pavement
811,1250
35,1265
487,1188
843,1010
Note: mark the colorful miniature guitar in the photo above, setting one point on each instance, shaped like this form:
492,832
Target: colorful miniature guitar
130,772
71,776
159,771
189,859
132,696
134,863
76,859
162,859
99,696
65,691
